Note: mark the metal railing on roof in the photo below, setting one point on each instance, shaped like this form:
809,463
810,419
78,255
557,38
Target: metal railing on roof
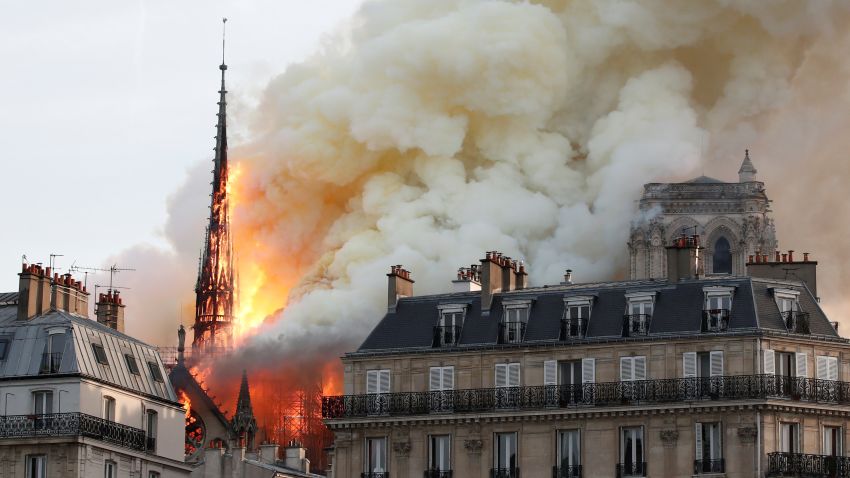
72,424
803,464
796,321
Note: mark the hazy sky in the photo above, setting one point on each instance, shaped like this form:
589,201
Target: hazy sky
105,105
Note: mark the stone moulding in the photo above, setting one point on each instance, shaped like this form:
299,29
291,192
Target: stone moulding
473,446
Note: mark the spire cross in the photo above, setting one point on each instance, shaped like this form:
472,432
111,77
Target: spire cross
223,32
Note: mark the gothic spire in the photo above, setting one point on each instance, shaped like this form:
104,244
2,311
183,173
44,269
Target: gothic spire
221,125
243,424
747,173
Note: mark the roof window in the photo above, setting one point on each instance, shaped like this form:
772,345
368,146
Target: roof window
514,321
100,354
717,308
576,316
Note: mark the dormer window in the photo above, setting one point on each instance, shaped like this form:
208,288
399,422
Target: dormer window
447,330
514,320
717,308
796,321
576,316
638,313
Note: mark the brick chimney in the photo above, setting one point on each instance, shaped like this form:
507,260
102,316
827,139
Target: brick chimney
468,279
521,281
683,258
69,295
110,310
399,285
33,291
500,273
295,457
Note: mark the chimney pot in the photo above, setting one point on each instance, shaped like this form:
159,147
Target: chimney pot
784,257
777,256
806,257
750,259
790,256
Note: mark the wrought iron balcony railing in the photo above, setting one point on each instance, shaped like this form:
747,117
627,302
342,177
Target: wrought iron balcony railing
50,363
375,474
635,325
445,335
504,472
796,321
438,474
72,424
566,471
511,332
709,466
573,329
799,464
640,392
715,320
631,469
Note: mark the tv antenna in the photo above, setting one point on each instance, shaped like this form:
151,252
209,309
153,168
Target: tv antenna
114,269
53,260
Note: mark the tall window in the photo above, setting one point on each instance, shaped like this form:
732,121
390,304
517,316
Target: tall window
440,453
709,451
632,368
638,315
505,454
827,367
36,466
722,260
832,441
569,456
152,427
42,402
441,379
377,384
631,452
507,375
576,317
376,455
512,328
789,437
717,310
51,359
109,409
448,328
702,364
110,469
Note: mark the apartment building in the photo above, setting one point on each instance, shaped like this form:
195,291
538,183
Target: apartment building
688,375
79,397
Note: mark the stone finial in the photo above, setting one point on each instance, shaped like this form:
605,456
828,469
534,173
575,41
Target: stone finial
747,173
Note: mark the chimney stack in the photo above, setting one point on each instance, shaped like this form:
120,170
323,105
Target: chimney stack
295,457
33,291
683,258
110,310
500,273
785,268
468,279
69,295
568,277
399,285
521,277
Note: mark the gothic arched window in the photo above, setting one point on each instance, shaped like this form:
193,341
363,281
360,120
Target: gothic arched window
722,257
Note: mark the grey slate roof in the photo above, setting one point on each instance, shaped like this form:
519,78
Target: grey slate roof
28,340
678,311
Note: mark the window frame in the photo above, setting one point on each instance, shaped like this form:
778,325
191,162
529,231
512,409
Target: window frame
432,438
108,408
110,469
578,303
838,430
132,364
560,448
700,440
44,393
794,438
508,367
444,370
497,452
31,460
5,345
156,373
642,437
100,353
632,360
367,461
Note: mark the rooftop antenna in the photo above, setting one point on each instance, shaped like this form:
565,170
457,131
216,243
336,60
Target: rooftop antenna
53,260
99,286
114,269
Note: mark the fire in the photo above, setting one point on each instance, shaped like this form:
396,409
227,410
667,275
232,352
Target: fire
187,403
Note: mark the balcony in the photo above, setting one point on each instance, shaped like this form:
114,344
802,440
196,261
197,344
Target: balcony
635,325
573,329
511,332
72,425
709,466
446,336
50,363
796,322
631,469
809,466
566,471
715,320
504,472
547,397
438,474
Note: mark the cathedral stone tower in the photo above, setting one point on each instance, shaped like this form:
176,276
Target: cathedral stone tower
732,218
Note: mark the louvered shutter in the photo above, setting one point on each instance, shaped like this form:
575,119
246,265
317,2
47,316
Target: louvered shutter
384,381
501,375
436,379
716,363
625,369
769,362
698,440
513,375
802,365
550,372
832,368
689,364
821,368
640,368
449,378
372,381
588,370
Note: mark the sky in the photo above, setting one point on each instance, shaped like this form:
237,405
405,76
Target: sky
107,107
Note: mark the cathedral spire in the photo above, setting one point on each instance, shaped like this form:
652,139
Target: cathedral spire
747,173
244,425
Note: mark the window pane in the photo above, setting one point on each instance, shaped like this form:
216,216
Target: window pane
722,260
569,449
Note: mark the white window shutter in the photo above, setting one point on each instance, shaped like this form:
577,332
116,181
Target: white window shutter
384,381
716,366
821,368
802,365
698,440
832,368
435,379
372,381
640,368
449,378
501,375
689,364
513,375
625,369
550,372
769,362
588,370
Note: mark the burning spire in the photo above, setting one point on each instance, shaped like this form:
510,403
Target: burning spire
215,288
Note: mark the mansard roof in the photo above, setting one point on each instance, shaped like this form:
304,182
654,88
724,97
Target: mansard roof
678,312
27,345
